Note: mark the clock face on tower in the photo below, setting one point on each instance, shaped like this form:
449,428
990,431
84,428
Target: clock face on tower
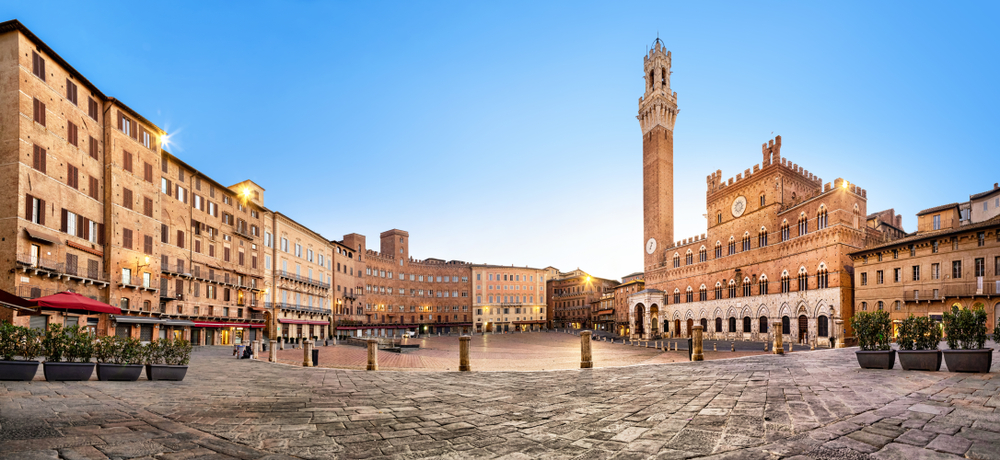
651,246
739,205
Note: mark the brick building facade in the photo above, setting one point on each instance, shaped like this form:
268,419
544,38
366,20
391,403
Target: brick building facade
509,298
777,245
570,297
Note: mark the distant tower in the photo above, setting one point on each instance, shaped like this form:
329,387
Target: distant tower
657,113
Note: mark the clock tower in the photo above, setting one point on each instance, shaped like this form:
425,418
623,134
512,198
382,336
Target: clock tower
657,113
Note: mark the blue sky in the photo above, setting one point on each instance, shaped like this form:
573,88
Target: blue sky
505,132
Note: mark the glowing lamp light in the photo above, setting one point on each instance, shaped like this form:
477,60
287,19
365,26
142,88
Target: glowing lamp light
147,259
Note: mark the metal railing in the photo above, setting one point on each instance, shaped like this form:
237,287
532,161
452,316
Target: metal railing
40,262
289,306
990,288
302,279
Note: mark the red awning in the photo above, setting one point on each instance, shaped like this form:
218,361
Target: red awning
16,302
301,321
72,301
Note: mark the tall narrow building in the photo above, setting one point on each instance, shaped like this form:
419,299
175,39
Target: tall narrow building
657,113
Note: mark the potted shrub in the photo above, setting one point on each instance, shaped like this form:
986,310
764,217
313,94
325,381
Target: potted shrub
67,353
918,344
965,331
874,330
118,358
167,359
18,341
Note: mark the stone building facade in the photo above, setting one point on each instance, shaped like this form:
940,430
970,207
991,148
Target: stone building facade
509,298
953,259
300,293
630,285
777,245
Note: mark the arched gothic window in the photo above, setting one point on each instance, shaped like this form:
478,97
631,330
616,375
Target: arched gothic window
784,231
762,285
821,218
785,284
677,260
803,224
702,254
803,279
822,279
689,295
718,249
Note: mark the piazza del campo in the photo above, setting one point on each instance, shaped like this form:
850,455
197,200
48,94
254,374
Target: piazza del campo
221,328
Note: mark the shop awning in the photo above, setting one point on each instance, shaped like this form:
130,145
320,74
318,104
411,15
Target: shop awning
72,301
301,321
530,322
41,236
179,322
214,324
136,320
16,302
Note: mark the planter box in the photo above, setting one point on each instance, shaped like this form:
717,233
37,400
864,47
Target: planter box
969,360
165,372
59,372
876,359
920,360
118,372
18,370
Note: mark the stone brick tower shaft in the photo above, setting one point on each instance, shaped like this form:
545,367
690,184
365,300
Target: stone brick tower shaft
657,114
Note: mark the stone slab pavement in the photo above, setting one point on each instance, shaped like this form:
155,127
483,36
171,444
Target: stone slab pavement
808,405
534,351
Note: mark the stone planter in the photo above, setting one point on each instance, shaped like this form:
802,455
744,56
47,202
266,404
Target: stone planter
59,372
165,372
118,372
876,359
18,370
969,360
920,360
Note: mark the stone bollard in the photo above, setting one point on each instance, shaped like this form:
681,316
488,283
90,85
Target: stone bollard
732,346
586,361
765,345
334,340
713,347
372,354
790,346
463,353
272,351
696,344
281,342
256,349
812,345
307,359
779,347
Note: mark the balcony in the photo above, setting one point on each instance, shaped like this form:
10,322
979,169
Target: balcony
30,262
303,308
299,278
29,291
72,272
990,288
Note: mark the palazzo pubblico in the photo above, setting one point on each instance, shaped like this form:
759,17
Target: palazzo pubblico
777,245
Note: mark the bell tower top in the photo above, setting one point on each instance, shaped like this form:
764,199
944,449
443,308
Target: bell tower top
658,105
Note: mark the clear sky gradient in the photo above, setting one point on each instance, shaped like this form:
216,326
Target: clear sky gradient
505,132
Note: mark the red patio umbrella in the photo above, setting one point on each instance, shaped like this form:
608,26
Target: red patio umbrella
72,301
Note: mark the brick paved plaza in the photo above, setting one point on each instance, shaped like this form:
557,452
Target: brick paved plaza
519,351
809,404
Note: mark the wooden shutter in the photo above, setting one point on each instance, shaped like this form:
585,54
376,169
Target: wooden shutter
127,198
100,234
120,116
79,225
41,212
93,147
127,238
180,239
164,238
28,208
63,226
148,206
127,160
225,254
86,229
73,176
95,188
41,112
92,106
147,172
147,246
71,133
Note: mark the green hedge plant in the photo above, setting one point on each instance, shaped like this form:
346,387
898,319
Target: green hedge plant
918,333
80,344
154,352
965,329
178,352
9,335
30,343
874,330
54,343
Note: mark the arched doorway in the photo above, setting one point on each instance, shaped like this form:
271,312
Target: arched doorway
690,325
746,325
786,325
640,317
654,327
762,326
718,324
677,327
822,326
732,324
704,325
803,328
